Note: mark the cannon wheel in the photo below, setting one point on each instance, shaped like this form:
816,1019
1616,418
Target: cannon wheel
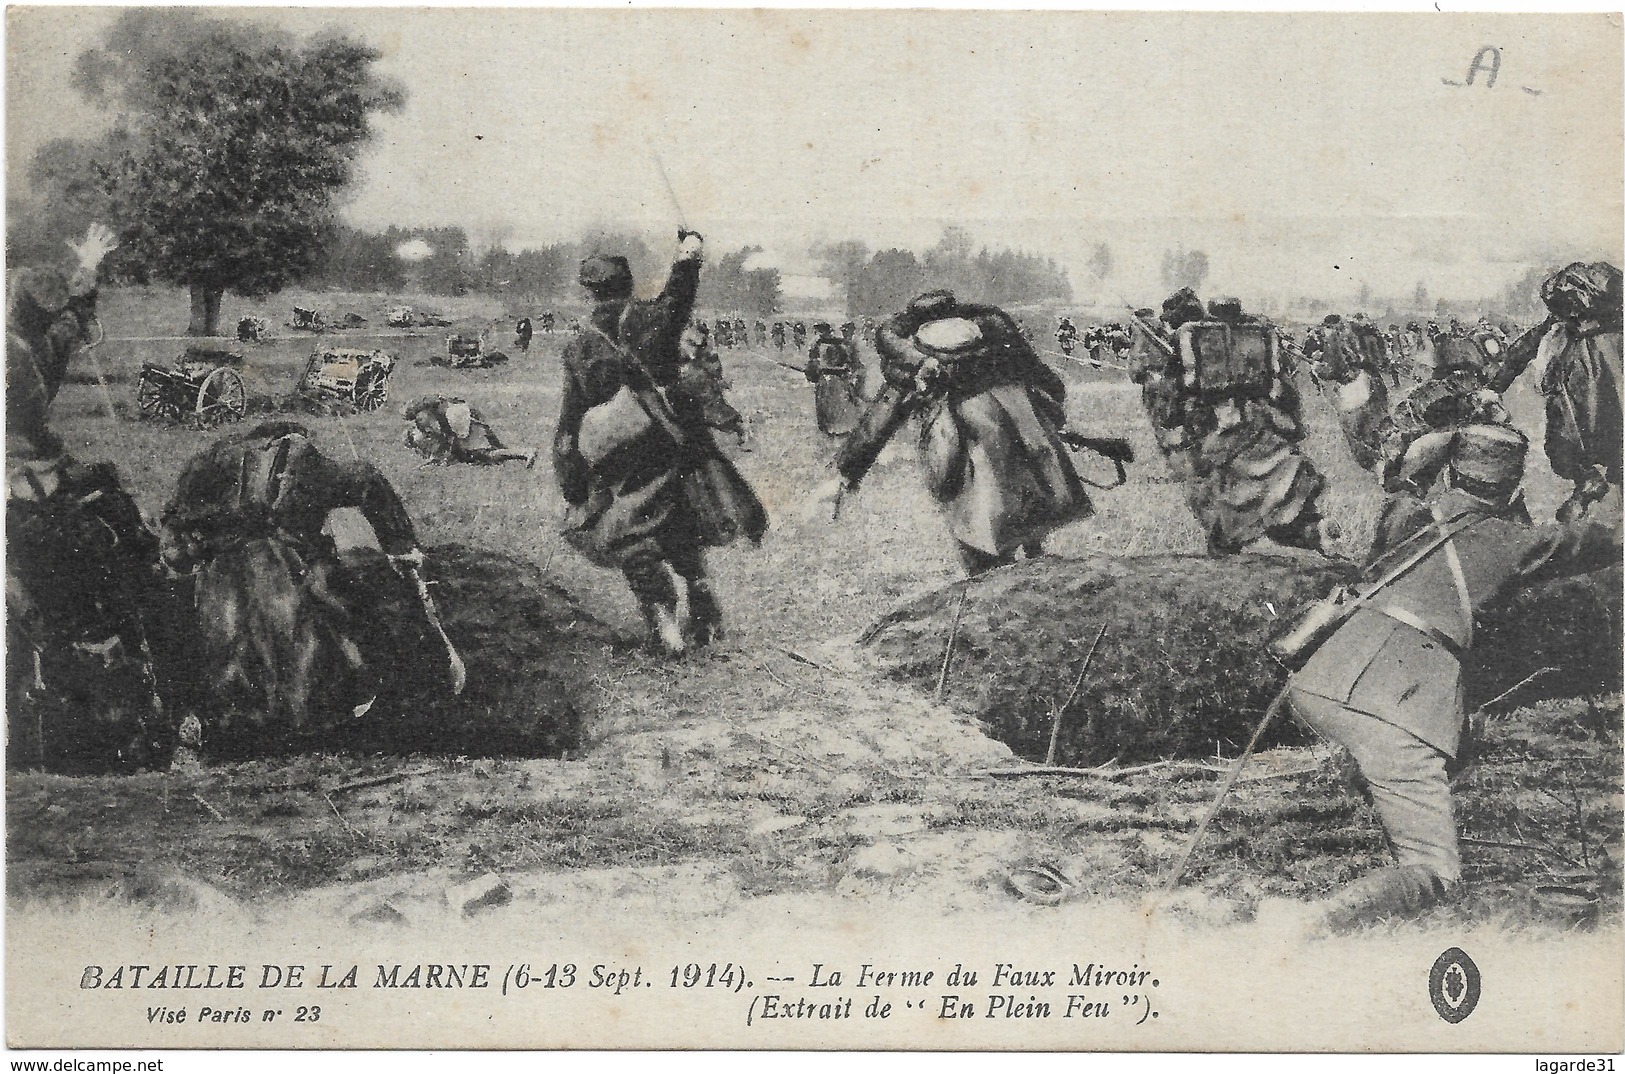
151,398
371,390
221,398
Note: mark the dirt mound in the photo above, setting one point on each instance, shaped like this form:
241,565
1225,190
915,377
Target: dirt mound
519,634
1181,669
1181,666
1572,625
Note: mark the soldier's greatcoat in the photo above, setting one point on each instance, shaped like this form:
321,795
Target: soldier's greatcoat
834,370
989,432
630,503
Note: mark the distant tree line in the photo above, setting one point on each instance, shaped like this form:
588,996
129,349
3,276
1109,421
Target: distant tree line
871,283
444,261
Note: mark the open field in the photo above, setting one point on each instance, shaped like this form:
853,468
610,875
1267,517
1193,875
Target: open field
746,770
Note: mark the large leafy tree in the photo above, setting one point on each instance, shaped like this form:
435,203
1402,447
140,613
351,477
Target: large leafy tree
234,143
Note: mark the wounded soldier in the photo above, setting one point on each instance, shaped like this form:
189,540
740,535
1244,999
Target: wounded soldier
447,430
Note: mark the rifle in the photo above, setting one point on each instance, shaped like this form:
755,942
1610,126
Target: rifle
1149,331
458,672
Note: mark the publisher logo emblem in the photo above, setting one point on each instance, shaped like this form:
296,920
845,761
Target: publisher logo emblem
1453,985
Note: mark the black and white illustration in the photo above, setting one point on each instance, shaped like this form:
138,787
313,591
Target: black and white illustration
734,528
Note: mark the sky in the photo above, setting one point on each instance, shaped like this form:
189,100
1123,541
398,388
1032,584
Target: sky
1306,153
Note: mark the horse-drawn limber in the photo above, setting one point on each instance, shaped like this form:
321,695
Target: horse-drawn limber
341,374
200,386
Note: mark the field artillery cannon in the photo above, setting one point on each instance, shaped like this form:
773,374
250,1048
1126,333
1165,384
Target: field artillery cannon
200,385
344,374
468,352
304,320
252,330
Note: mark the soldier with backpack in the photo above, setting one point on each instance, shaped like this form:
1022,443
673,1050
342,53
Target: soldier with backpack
1580,341
1229,422
1354,361
249,517
697,396
991,415
647,489
1066,335
446,430
835,372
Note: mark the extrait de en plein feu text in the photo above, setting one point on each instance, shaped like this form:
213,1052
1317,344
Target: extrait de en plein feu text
820,992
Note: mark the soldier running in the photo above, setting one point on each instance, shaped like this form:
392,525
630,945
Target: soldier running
648,490
1580,341
991,420
1235,448
834,370
698,396
1066,336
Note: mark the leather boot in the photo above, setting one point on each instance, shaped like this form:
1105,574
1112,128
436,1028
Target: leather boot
665,633
1397,892
704,616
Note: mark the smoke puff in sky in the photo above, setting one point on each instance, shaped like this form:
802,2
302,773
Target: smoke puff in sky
1307,154
414,250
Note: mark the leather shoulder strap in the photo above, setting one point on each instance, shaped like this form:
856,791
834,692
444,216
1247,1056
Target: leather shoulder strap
1453,560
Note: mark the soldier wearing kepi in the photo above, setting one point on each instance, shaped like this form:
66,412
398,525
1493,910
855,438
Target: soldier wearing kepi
1580,340
834,370
991,420
648,490
1387,683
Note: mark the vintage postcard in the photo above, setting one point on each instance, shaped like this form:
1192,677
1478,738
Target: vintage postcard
822,529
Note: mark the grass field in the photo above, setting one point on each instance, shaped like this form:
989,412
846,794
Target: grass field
776,774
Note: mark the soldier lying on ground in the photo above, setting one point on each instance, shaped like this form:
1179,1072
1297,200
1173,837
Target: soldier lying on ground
447,430
1387,685
277,613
